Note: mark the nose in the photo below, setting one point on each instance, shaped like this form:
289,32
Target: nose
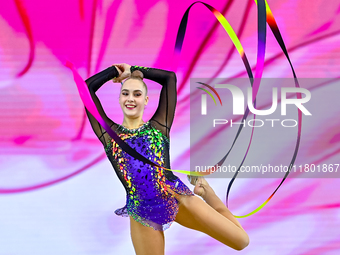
130,98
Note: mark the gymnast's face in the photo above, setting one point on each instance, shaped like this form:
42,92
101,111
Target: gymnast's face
133,98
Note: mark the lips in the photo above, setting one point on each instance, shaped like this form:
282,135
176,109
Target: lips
130,106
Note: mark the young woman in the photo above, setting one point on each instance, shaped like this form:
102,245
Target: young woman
156,197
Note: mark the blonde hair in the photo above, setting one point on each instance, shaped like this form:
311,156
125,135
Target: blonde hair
137,75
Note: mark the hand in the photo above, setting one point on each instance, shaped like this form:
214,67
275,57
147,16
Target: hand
119,74
124,72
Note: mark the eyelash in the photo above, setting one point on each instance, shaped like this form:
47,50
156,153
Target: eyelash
136,95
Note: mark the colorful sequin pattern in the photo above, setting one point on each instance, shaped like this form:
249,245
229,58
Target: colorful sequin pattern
150,195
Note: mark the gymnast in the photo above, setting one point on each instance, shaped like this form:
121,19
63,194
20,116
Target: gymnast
155,198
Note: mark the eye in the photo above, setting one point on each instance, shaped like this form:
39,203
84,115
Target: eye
124,93
138,94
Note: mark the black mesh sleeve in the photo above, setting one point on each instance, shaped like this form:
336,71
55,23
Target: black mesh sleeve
165,112
94,83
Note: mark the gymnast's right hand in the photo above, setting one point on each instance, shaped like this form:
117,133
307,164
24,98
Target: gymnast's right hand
124,72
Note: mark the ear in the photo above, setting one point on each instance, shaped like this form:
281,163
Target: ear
146,100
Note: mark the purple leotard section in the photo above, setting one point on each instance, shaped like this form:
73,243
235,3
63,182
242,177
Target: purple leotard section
151,191
150,199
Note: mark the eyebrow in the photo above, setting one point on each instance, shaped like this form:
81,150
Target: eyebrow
137,90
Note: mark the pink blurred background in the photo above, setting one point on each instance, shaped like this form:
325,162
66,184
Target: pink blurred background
57,189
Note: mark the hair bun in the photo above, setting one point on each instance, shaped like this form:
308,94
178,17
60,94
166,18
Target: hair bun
137,74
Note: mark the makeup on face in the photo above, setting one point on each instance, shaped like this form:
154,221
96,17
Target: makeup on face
132,98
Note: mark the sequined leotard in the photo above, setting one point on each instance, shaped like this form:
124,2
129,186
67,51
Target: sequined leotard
149,190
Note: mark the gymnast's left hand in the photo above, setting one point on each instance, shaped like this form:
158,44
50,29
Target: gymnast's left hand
125,72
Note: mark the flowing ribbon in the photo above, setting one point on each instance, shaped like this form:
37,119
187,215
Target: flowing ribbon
276,32
259,67
227,27
264,15
274,27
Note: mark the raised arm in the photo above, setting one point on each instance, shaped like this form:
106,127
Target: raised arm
165,112
94,83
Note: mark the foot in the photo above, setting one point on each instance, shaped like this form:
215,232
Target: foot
202,187
192,179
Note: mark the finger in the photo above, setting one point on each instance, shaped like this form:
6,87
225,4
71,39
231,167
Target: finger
116,80
120,67
119,72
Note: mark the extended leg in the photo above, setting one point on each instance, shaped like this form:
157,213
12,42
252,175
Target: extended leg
146,240
203,189
196,214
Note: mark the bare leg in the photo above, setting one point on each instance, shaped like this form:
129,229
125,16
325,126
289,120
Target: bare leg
204,190
212,218
146,240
